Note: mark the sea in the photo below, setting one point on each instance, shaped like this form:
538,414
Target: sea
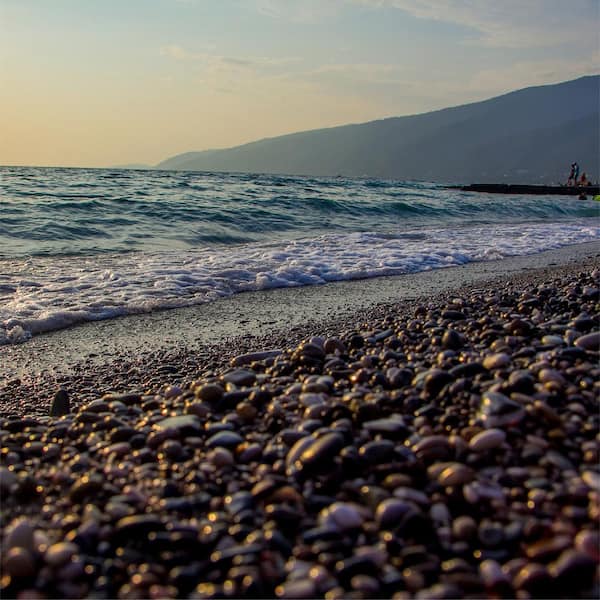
80,245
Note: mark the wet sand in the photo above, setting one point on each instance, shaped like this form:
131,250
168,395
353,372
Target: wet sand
257,314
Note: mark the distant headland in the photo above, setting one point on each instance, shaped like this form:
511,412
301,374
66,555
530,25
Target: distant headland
530,135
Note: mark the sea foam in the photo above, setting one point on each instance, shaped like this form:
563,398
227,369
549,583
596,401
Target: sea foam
51,293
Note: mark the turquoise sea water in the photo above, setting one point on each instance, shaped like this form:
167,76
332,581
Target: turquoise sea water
86,244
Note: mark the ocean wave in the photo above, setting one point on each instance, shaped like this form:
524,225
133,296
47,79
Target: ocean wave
48,293
67,211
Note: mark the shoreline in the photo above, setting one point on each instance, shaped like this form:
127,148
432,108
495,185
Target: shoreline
86,359
442,448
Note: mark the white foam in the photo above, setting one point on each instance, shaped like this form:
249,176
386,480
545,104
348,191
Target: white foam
48,293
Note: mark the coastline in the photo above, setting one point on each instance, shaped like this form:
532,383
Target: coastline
175,346
440,448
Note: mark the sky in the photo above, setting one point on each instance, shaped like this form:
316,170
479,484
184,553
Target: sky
112,82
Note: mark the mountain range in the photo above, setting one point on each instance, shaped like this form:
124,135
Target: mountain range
530,135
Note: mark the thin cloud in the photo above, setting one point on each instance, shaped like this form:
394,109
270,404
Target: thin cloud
509,23
180,53
176,52
299,11
360,72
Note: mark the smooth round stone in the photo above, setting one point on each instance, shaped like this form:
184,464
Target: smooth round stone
490,534
225,439
297,449
468,369
183,424
315,387
297,588
311,399
464,527
240,377
138,525
413,495
85,487
393,425
321,451
592,479
532,577
583,322
572,564
250,357
551,376
589,342
209,392
496,361
8,478
342,516
334,346
390,512
246,411
588,542
172,449
492,573
311,350
19,534
440,514
220,457
452,340
118,510
521,381
249,453
453,315
432,447
435,380
19,562
377,451
558,460
397,377
367,585
548,548
96,406
487,440
497,410
59,554
552,340
171,391
117,449
455,474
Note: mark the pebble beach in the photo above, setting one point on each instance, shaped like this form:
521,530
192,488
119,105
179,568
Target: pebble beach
440,448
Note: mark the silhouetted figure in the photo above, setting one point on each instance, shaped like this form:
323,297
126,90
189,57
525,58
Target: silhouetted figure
574,174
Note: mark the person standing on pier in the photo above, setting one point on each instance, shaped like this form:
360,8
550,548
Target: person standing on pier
574,174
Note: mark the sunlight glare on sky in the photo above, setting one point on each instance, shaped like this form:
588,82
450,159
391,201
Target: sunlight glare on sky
100,83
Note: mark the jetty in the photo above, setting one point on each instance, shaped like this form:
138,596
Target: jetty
509,188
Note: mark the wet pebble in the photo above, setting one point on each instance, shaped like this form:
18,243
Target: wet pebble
487,440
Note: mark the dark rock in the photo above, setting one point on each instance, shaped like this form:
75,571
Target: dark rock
60,404
435,381
452,340
225,439
453,315
185,425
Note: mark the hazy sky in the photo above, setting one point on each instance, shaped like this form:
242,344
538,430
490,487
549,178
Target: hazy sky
106,82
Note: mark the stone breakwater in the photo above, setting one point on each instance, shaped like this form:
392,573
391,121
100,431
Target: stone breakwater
451,452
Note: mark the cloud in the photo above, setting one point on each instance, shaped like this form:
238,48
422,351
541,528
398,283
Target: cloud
508,23
176,52
299,11
374,73
214,61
